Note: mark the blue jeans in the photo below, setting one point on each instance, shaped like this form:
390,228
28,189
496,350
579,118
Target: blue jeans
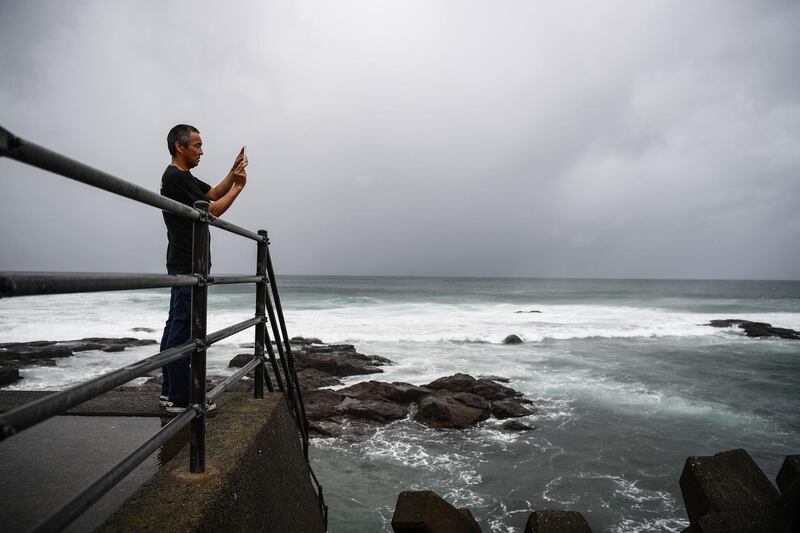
177,331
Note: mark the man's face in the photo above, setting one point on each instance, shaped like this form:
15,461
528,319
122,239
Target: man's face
191,152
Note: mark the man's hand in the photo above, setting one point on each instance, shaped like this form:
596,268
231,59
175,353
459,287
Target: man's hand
240,172
239,159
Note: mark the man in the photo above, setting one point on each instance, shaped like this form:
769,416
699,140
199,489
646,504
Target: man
186,148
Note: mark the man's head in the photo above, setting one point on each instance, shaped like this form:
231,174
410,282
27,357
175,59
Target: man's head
185,145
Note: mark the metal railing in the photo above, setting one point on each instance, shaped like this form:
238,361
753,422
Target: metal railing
267,310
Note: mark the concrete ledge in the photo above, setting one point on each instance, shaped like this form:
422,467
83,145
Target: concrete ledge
425,511
727,492
257,478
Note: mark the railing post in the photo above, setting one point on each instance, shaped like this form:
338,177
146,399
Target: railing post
295,391
197,393
261,328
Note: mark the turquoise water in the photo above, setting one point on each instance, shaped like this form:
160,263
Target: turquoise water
628,381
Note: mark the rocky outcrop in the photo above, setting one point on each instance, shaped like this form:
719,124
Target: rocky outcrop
457,401
44,353
755,329
512,339
534,311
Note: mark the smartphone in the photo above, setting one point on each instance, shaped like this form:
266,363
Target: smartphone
244,154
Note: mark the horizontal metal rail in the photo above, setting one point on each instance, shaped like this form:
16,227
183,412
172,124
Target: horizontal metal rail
31,283
39,156
214,393
77,505
59,402
217,336
230,280
233,228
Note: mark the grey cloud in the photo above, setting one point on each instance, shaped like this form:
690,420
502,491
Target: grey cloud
426,138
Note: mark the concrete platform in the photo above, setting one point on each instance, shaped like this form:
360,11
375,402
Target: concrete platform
257,478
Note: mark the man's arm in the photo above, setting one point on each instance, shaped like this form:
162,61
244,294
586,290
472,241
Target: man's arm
238,178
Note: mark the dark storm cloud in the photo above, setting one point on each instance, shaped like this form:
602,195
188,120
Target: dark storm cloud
641,139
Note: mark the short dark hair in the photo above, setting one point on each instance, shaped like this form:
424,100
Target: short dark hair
180,133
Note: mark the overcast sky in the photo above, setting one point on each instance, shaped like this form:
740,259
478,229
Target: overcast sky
474,138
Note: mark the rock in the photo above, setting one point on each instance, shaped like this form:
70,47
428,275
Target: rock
508,409
377,360
381,411
23,354
402,393
512,339
527,311
240,360
728,492
339,365
322,403
114,348
443,410
485,388
756,329
498,379
425,511
492,391
302,340
311,378
557,522
144,330
516,425
455,383
8,375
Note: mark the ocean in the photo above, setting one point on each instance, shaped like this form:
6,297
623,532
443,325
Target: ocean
627,380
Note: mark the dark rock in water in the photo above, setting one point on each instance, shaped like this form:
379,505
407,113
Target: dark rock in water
443,410
322,403
339,365
377,360
22,353
557,522
240,360
144,330
8,375
516,425
512,339
401,393
485,388
527,311
311,378
302,340
509,409
498,379
114,348
727,491
43,352
755,329
381,411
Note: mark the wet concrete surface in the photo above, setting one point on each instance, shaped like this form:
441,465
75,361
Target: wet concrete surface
42,467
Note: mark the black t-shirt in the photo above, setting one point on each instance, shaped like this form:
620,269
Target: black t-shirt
183,187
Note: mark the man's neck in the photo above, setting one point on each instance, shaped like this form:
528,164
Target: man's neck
180,164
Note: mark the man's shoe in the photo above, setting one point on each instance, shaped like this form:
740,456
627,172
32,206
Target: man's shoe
178,408
172,407
163,400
